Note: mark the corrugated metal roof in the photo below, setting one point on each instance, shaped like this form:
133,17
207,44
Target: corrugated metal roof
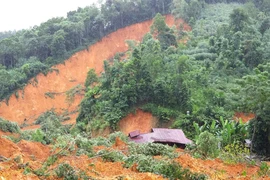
162,135
134,133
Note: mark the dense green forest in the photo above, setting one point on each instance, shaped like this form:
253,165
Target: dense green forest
26,53
223,68
198,79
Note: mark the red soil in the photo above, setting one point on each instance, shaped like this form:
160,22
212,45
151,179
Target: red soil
217,169
32,100
244,116
140,120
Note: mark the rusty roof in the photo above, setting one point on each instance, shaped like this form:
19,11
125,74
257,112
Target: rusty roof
162,135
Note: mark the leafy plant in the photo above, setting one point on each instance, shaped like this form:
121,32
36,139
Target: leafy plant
8,126
207,145
264,169
66,172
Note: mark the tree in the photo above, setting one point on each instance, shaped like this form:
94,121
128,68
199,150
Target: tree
238,19
207,145
255,93
58,46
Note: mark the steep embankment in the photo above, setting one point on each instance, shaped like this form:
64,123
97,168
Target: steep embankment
47,92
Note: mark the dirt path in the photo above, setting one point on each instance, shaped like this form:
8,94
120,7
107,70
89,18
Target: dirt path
33,101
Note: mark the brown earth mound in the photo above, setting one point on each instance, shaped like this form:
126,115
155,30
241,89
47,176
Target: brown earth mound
34,149
244,116
140,120
47,92
8,149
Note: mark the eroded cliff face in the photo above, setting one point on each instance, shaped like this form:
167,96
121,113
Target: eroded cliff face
46,92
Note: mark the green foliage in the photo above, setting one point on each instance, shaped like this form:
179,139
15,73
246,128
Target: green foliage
189,10
117,134
238,18
152,149
70,94
234,153
91,78
162,113
38,136
51,127
207,145
127,84
8,126
66,172
111,156
166,168
264,169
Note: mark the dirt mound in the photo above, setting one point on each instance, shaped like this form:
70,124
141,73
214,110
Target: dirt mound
97,168
8,148
35,150
217,169
46,92
140,120
244,116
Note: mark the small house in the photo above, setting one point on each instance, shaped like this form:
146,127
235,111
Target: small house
161,135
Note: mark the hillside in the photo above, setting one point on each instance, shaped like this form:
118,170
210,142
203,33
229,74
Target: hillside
207,80
32,101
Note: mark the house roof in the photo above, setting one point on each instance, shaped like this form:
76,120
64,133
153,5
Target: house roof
162,135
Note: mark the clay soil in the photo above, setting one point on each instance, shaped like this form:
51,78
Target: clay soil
245,117
140,120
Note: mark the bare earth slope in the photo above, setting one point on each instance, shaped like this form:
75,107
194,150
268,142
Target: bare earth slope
33,100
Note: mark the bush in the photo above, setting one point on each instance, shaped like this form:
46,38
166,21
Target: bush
234,153
152,149
118,134
207,145
66,171
111,156
166,168
8,126
162,113
38,136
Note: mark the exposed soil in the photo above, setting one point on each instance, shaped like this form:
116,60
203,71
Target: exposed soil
245,117
32,100
140,120
217,169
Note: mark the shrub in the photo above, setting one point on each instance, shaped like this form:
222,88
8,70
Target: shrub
8,126
166,168
163,114
119,134
66,171
235,153
38,136
207,145
111,156
264,169
152,149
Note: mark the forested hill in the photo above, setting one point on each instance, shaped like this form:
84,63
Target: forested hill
28,52
196,84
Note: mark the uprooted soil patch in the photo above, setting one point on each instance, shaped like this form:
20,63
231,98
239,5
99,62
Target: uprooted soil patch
140,120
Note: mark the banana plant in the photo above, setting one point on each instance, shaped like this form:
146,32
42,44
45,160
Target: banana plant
198,129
